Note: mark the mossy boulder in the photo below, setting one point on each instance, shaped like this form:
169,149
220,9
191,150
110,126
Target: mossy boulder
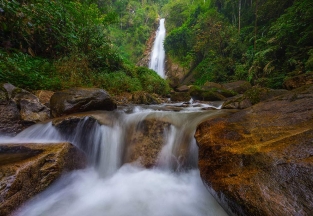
258,94
31,109
205,95
142,97
239,86
298,81
237,102
212,85
183,88
252,96
180,96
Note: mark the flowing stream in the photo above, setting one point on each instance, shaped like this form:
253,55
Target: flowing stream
110,185
158,52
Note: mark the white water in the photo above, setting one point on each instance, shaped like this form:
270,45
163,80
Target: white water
158,52
112,188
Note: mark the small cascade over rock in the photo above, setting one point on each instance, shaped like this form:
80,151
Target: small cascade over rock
119,145
158,53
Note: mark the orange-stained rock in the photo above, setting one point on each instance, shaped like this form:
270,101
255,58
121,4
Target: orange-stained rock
260,160
146,141
44,96
27,169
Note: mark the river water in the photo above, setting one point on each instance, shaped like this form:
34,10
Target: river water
109,186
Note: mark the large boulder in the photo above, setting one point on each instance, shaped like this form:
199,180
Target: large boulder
141,97
19,109
298,81
31,109
180,96
212,85
44,96
27,169
252,96
182,88
239,86
9,114
205,95
145,141
259,160
80,100
10,119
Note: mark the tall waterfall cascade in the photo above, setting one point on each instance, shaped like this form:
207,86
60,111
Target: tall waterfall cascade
158,53
111,187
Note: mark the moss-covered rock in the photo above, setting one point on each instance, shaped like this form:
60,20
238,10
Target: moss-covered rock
252,96
237,102
239,86
142,97
298,81
205,95
180,96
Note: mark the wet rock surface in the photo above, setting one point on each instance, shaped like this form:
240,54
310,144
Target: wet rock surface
260,159
80,100
44,96
19,109
142,97
146,141
27,169
30,107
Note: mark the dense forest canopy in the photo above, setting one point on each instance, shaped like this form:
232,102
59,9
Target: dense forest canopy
224,40
63,43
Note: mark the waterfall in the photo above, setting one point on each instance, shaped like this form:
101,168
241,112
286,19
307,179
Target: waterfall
110,186
158,52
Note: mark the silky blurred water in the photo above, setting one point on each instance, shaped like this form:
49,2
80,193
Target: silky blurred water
111,187
157,58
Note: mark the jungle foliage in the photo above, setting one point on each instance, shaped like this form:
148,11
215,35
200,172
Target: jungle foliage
261,41
60,44
64,43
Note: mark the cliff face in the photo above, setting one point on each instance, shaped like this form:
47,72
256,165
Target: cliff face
144,61
260,160
174,72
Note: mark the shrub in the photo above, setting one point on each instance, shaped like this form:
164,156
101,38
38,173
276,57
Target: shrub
28,72
118,82
152,82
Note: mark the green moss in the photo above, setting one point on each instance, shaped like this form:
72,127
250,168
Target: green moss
16,91
255,94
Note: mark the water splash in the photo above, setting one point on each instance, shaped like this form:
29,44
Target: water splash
158,52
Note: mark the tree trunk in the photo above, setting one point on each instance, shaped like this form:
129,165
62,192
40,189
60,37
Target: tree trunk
255,24
239,17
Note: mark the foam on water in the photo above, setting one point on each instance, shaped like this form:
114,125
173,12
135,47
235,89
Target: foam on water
131,191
